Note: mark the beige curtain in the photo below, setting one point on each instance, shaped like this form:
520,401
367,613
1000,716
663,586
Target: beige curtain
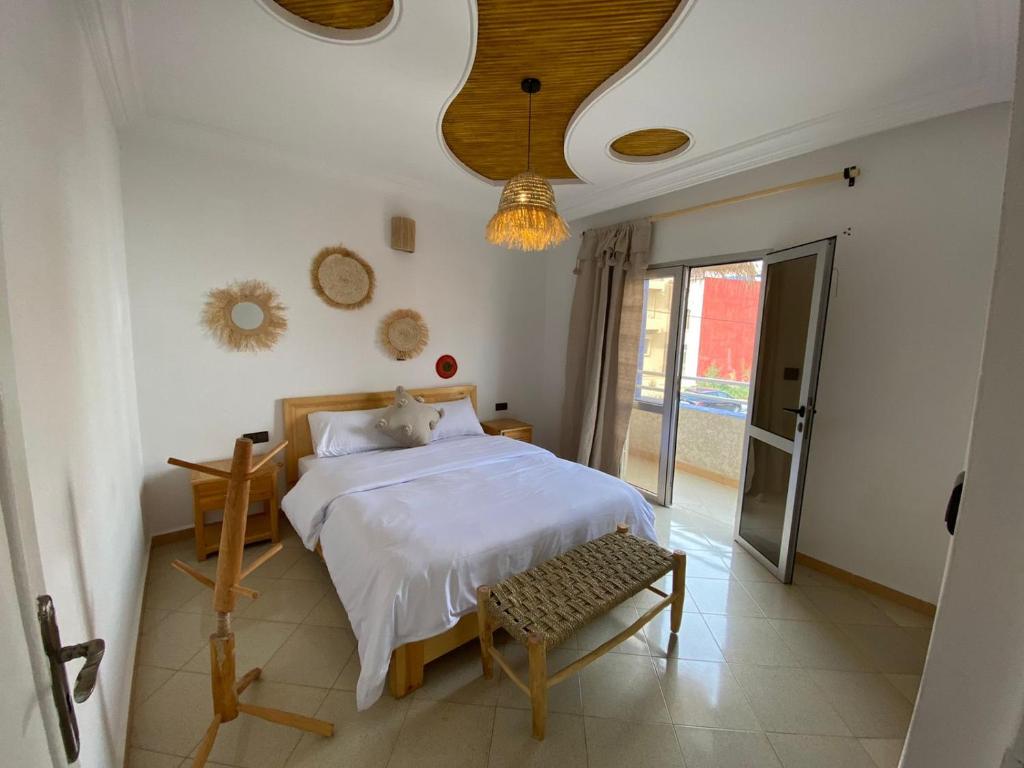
604,342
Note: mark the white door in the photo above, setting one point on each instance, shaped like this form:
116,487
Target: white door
790,328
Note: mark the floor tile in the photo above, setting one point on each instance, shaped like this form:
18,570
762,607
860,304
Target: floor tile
255,644
564,697
803,575
719,596
311,656
693,641
869,705
179,637
171,590
745,640
624,686
175,717
890,649
787,700
289,600
704,693
797,751
844,605
901,614
905,684
885,752
706,565
151,617
249,742
329,612
279,563
596,632
146,681
363,739
458,676
349,676
310,567
746,568
141,758
203,602
821,646
708,748
782,601
440,734
512,746
615,743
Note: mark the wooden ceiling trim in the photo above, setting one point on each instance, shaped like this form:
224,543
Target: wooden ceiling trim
572,46
340,14
650,143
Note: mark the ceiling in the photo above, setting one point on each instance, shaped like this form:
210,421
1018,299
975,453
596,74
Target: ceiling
749,83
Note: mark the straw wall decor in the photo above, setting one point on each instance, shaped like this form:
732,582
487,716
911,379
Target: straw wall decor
245,316
341,278
404,334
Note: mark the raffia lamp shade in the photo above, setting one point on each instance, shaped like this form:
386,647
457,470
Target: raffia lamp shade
527,218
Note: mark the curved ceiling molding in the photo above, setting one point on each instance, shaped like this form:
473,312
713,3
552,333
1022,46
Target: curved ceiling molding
649,144
572,47
337,21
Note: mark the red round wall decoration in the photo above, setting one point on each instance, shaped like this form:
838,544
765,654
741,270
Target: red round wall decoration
446,366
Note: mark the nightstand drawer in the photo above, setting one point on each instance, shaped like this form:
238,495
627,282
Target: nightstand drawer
519,433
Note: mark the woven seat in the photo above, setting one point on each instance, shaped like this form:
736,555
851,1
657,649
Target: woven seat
541,607
556,598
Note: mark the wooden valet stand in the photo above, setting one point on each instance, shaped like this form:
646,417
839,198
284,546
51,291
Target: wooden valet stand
226,589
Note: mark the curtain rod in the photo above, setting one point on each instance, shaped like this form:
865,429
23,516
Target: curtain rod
848,174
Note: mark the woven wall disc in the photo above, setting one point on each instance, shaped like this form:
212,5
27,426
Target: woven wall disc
446,366
404,334
341,278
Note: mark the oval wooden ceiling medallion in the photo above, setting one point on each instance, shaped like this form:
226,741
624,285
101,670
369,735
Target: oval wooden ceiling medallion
339,14
572,46
650,143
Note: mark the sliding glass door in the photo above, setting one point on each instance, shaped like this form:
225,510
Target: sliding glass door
791,326
725,389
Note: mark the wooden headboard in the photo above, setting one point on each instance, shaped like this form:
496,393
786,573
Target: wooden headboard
295,410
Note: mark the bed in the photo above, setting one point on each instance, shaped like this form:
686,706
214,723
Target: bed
408,534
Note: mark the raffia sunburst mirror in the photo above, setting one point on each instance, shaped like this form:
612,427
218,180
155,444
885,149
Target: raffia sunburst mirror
245,316
341,278
404,334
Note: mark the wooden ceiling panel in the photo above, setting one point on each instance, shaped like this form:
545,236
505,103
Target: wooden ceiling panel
650,142
339,14
572,46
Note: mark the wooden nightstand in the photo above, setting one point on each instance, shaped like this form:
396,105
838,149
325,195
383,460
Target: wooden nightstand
517,430
210,493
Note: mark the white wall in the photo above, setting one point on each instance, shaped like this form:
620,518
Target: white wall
67,371
199,217
905,325
971,700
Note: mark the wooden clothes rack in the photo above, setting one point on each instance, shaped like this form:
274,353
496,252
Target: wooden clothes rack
226,589
848,174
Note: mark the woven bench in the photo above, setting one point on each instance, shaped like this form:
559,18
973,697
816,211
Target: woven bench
543,606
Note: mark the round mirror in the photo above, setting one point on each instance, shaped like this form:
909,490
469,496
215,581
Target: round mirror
247,315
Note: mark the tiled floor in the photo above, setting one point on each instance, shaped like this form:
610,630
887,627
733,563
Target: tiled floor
813,675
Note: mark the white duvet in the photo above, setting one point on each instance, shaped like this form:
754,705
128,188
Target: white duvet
408,535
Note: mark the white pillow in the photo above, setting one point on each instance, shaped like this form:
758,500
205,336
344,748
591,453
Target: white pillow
339,433
459,419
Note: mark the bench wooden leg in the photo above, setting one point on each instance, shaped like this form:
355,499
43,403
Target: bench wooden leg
486,631
538,686
678,589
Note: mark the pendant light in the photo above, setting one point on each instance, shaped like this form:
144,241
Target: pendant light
527,219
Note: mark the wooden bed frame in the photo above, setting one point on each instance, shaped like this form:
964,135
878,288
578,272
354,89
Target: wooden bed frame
407,661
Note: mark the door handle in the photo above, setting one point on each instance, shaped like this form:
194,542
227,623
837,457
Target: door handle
85,682
798,411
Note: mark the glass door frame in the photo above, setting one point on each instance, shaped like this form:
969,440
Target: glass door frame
824,249
680,271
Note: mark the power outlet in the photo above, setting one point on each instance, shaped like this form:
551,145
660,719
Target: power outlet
501,406
258,437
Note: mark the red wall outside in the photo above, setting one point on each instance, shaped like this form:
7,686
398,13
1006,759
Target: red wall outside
727,327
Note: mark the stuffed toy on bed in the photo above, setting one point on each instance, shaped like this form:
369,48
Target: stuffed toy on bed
409,421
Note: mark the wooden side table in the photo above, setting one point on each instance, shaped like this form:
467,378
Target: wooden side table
517,430
210,493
